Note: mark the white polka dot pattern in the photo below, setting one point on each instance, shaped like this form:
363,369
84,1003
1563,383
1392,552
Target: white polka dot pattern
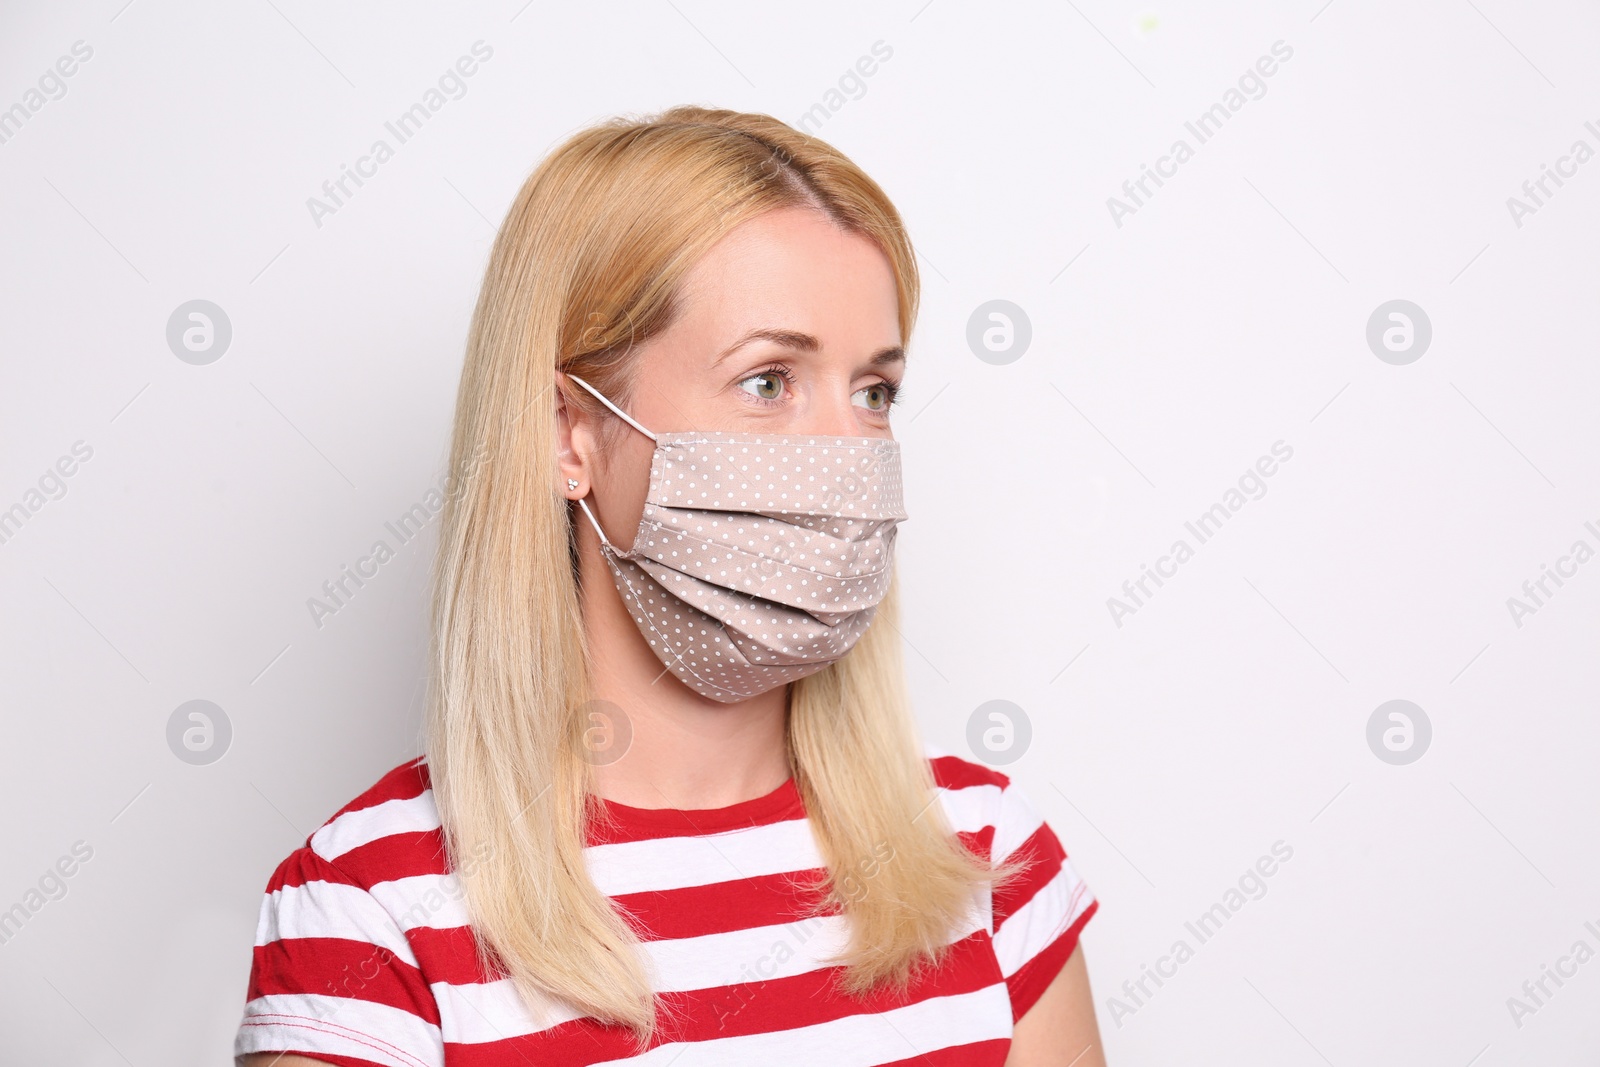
760,558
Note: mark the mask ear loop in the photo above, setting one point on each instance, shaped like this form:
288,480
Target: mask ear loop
625,417
618,412
584,504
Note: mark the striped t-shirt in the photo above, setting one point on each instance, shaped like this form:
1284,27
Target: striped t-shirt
364,955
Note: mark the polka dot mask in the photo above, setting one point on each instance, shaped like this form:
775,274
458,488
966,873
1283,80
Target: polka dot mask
760,558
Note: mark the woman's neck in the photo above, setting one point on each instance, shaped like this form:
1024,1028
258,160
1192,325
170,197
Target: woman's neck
686,750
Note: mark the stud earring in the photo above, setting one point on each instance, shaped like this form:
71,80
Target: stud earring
572,484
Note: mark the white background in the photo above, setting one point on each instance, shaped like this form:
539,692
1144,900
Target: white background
1168,353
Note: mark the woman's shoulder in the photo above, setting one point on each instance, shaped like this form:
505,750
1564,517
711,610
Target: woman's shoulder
334,974
951,771
390,830
1036,915
983,804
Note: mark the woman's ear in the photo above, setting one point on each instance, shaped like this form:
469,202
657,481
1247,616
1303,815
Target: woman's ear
575,441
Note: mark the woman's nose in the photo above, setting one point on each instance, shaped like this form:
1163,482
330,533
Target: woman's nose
833,414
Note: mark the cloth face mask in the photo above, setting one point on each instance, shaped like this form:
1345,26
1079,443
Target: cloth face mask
759,558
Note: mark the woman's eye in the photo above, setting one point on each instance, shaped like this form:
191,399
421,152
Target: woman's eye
876,397
768,385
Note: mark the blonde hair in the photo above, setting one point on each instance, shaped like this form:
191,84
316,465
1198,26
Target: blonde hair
587,264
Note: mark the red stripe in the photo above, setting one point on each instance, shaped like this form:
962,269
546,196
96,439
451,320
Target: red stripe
302,866
693,911
953,772
613,823
450,955
747,1009
401,855
1030,981
404,782
809,999
312,965
336,967
979,842
1044,849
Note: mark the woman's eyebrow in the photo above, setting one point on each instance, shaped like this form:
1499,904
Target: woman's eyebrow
804,342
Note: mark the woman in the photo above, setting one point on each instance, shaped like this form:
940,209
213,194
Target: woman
673,800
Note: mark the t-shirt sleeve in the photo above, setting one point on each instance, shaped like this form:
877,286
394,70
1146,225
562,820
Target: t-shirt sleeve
333,976
1039,915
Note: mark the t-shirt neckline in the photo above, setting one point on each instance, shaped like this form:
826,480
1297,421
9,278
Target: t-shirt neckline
782,802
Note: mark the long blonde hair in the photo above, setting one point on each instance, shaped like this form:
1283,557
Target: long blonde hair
587,264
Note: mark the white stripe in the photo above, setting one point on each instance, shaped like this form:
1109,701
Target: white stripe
758,954
1017,821
970,808
492,1011
855,1040
680,862
980,913
365,825
329,909
1028,930
341,1026
478,1013
436,901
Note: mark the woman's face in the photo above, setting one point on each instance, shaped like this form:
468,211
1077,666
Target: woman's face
788,325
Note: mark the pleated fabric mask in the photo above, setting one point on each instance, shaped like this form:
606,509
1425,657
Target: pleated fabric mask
759,558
